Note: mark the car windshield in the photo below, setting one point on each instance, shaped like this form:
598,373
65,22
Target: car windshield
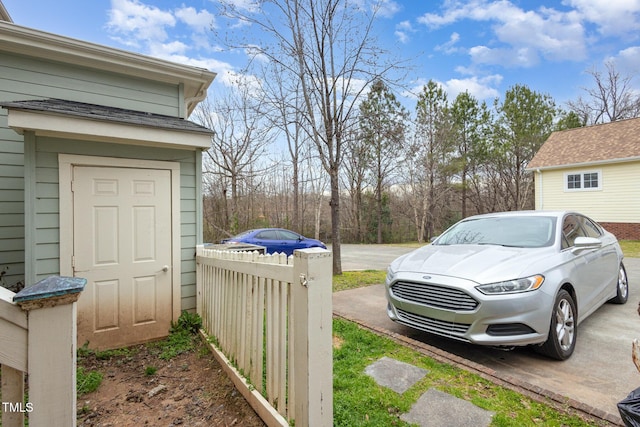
514,231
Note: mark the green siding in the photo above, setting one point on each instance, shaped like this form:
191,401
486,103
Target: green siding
28,78
12,206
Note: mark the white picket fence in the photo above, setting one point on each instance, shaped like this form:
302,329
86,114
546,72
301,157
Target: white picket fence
270,320
38,337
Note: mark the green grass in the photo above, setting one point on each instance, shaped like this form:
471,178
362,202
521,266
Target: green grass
360,401
87,381
356,279
630,248
182,338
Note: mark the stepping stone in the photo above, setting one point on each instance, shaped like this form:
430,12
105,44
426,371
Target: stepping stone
438,409
396,375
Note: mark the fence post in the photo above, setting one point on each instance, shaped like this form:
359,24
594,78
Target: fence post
12,394
312,323
52,344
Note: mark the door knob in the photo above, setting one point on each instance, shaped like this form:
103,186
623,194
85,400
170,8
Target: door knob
165,268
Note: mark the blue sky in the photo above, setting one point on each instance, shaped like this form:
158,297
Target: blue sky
482,46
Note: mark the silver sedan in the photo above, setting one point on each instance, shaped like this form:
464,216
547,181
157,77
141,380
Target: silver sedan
510,279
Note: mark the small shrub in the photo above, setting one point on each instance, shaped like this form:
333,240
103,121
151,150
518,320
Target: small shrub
150,370
84,350
87,381
188,322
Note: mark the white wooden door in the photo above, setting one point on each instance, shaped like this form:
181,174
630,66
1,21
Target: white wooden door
122,246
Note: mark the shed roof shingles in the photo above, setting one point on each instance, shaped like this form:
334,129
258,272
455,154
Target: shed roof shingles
109,114
613,141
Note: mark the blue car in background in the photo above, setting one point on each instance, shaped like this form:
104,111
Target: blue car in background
276,240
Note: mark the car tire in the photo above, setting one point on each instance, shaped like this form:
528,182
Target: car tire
563,330
622,287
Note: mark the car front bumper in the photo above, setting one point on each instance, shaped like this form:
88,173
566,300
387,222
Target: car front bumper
454,308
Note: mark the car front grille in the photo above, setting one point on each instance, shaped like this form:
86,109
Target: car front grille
434,296
440,327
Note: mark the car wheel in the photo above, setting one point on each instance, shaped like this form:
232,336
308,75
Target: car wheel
622,289
563,330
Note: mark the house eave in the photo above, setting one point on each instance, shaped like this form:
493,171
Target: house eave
69,127
26,41
583,164
4,14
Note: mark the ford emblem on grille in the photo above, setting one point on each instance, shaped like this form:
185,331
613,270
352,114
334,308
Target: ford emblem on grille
426,277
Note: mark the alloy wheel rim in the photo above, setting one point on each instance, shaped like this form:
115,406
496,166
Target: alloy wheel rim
623,284
565,326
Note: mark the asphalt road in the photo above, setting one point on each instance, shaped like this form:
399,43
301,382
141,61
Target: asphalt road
599,374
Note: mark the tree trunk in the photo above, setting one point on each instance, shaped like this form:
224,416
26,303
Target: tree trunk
335,221
379,205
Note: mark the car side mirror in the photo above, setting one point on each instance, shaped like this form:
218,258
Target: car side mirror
585,243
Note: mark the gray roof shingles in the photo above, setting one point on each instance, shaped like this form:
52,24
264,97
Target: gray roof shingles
108,114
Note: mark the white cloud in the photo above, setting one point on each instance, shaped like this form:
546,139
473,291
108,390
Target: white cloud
612,17
507,57
627,62
134,21
179,35
403,31
199,21
482,88
387,8
523,36
163,50
450,46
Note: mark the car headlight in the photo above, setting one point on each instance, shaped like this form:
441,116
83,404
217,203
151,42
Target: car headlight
390,273
512,286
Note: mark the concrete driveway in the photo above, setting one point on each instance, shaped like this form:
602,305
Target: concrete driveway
599,374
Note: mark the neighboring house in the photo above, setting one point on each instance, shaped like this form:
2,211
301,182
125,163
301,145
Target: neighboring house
594,170
100,177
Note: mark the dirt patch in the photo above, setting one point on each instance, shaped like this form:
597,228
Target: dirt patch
139,388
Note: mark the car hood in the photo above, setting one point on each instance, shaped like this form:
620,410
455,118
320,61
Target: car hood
479,263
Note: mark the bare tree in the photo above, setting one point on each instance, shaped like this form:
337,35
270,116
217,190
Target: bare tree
238,141
613,98
326,46
316,183
285,114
